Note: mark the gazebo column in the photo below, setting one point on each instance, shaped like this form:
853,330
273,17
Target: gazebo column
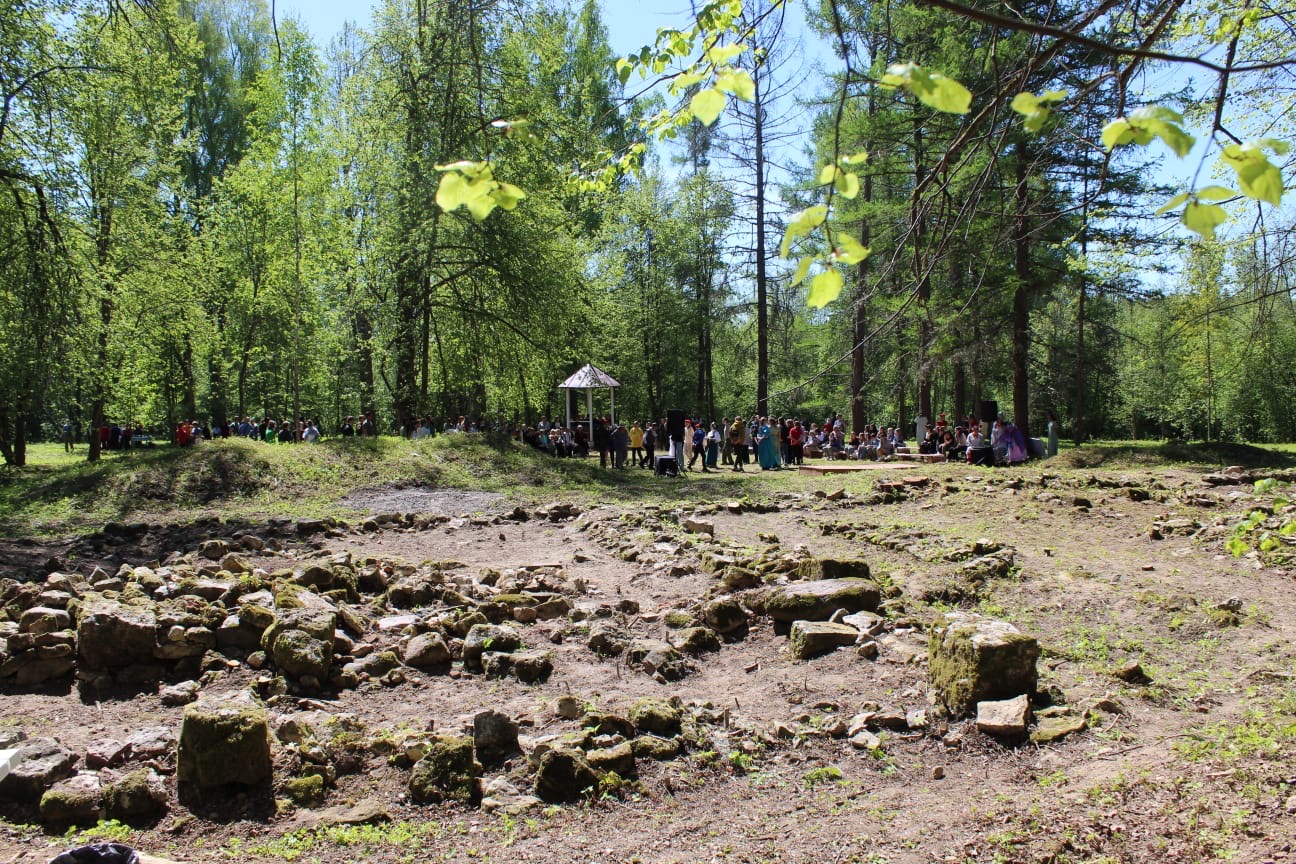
589,412
612,395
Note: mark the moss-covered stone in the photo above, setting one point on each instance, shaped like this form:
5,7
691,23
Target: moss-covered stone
447,773
74,801
653,747
810,638
677,619
619,758
817,601
696,640
656,715
140,794
305,791
300,655
973,659
224,738
564,775
833,568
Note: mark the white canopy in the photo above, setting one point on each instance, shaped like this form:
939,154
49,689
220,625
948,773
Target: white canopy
590,378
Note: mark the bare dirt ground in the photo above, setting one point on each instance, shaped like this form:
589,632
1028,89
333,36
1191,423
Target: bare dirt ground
1194,762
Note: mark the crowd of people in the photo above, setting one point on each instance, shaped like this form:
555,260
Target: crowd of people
696,444
772,443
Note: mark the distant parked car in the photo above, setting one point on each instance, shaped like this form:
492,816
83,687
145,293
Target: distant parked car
142,439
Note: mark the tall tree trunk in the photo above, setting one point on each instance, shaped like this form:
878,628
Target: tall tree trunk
922,275
1081,366
1021,296
762,296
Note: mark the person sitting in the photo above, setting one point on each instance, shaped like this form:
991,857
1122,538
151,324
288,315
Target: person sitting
949,446
312,433
974,442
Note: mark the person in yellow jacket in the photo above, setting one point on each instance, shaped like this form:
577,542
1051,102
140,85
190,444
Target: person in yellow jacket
636,444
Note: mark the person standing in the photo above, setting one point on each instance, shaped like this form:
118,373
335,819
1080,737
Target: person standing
767,445
738,440
1052,448
712,455
650,445
602,441
920,427
636,444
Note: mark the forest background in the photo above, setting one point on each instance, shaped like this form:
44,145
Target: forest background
206,214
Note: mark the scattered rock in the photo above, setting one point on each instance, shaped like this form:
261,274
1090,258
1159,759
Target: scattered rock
75,801
818,600
481,638
725,615
564,775
1051,729
495,736
179,694
38,765
695,640
811,638
1131,671
656,715
447,773
1007,717
832,568
698,526
140,794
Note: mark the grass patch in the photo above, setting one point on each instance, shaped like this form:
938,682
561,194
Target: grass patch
59,493
1122,454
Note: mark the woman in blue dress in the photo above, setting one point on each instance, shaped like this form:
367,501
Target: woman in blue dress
766,446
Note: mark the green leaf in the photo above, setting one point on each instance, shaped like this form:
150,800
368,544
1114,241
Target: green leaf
706,105
1258,178
1026,103
827,174
623,69
737,82
507,196
801,224
452,191
931,88
1203,218
803,268
1237,547
943,94
847,184
481,207
684,80
722,54
1115,132
850,250
825,288
1172,203
1216,193
855,158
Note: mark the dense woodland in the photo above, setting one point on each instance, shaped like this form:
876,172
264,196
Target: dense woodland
205,214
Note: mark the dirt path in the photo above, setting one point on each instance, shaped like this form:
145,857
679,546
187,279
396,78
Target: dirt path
1193,763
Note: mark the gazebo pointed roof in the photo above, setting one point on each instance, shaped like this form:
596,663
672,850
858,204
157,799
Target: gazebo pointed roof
589,375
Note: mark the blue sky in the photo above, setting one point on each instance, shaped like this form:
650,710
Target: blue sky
630,24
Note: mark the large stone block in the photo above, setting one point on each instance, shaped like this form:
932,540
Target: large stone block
448,772
810,638
818,600
37,765
973,659
113,635
224,738
833,568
